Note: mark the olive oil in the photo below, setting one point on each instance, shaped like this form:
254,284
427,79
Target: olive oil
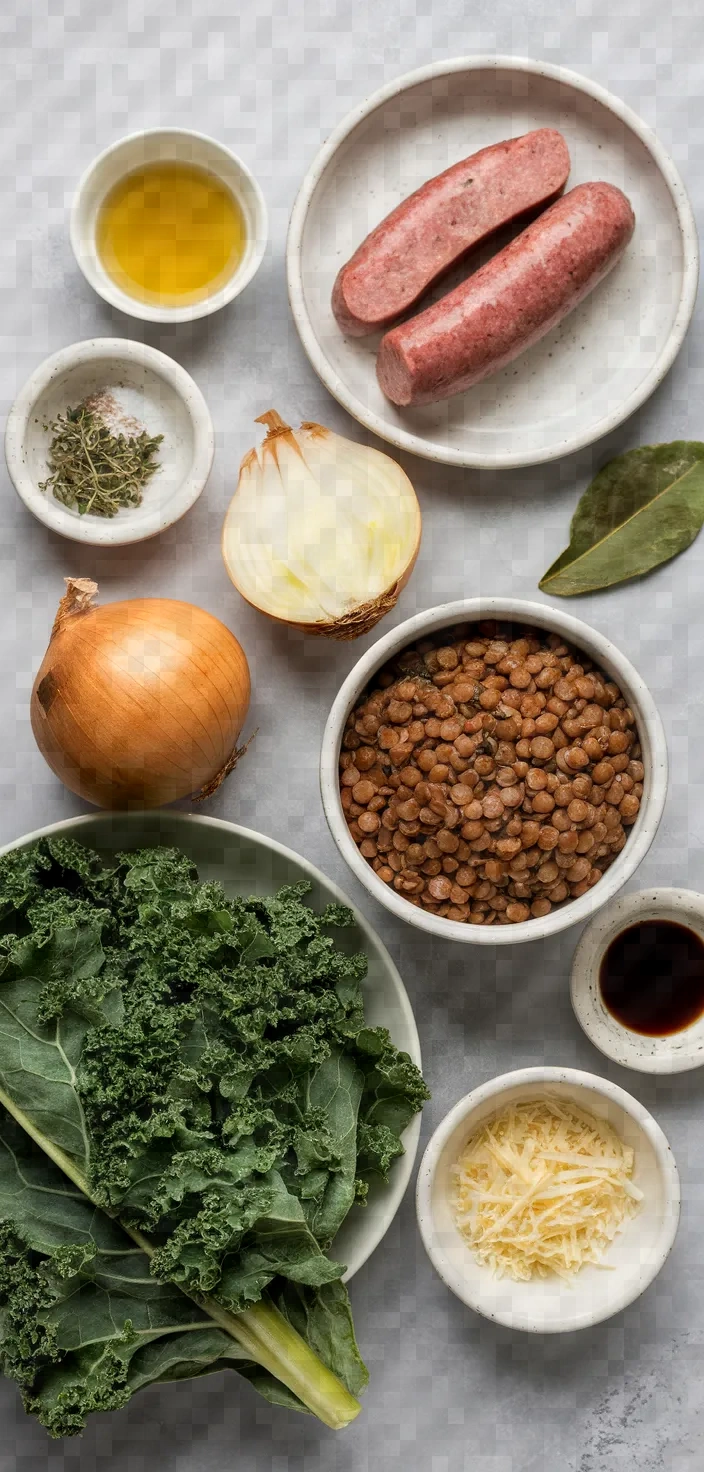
170,233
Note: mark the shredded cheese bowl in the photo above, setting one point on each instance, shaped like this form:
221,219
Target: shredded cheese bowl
548,1199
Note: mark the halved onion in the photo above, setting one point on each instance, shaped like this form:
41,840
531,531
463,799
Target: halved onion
322,533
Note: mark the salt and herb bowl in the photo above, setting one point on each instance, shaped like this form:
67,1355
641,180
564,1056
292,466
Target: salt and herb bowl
149,389
605,655
166,145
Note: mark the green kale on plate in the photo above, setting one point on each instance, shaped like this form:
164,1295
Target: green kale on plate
201,1069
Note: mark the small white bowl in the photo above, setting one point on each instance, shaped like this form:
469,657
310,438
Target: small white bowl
178,145
603,653
680,1051
147,386
633,1259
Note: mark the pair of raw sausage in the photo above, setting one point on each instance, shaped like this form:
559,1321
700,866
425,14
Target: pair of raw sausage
512,301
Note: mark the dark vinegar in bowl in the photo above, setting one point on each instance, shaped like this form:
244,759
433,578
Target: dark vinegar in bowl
652,977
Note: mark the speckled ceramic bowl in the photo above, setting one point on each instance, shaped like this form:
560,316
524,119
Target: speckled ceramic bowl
607,657
678,1052
632,1260
147,389
180,145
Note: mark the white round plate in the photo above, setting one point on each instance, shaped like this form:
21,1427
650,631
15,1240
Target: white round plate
248,863
589,373
630,1263
149,388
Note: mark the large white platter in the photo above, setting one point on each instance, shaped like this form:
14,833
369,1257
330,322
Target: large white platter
247,863
587,375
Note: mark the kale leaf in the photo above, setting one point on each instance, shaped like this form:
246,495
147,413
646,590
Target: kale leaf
83,1324
203,1063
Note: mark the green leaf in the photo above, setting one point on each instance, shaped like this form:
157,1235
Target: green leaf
261,1220
639,511
78,1304
324,1320
38,1062
84,1324
394,1091
199,1067
336,1089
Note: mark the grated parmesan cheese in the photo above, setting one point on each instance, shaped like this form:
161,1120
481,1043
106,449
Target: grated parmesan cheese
543,1187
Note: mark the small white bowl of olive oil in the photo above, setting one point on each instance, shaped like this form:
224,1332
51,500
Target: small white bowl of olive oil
168,225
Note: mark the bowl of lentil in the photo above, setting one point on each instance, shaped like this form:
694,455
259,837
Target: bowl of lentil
493,770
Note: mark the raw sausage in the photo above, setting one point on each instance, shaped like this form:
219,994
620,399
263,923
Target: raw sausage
423,237
511,302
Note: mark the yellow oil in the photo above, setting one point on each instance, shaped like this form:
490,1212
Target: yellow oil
170,234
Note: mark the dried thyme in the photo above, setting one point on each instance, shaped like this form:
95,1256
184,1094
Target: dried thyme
93,468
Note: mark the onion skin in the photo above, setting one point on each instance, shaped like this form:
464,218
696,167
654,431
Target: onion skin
353,624
138,703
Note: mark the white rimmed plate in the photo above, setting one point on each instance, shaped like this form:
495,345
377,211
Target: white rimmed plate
593,370
248,863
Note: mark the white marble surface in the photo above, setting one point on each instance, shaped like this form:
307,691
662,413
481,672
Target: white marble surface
449,1392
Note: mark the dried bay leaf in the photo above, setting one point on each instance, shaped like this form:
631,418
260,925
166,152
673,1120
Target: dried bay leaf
639,511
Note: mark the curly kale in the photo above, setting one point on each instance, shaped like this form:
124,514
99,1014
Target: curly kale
203,1061
83,1324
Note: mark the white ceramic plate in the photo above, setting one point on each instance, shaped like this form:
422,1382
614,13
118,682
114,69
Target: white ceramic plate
248,863
587,375
632,1260
147,387
680,1051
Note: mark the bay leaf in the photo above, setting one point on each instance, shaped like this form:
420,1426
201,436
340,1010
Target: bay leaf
642,509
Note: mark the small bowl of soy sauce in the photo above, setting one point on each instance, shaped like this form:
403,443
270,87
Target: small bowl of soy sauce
637,981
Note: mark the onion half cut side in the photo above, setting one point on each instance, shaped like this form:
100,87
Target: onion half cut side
322,533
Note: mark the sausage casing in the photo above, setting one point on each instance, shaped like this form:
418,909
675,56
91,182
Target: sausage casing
511,302
449,215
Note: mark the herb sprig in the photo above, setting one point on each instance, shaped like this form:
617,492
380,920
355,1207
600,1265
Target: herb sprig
94,469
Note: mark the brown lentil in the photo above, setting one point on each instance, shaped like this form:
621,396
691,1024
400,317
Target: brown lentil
543,802
491,777
369,823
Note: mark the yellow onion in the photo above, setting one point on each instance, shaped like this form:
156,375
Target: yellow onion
139,703
322,533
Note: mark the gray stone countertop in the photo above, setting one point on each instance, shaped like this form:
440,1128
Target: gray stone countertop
449,1392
